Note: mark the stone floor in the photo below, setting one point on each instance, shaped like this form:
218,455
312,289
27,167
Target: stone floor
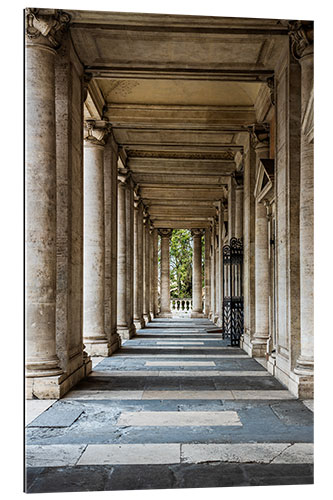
175,408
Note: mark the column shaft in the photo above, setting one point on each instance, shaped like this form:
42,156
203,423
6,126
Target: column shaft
262,276
138,266
42,360
165,273
239,192
213,273
94,251
220,265
146,288
208,237
197,274
305,362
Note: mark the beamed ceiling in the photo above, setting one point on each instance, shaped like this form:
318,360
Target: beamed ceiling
180,93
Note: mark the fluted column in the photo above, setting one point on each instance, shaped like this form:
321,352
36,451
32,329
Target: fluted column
42,40
262,277
208,237
146,267
165,272
197,274
94,335
302,48
138,264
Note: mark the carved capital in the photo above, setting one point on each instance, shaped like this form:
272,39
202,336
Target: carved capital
46,26
271,87
196,233
301,38
259,135
123,177
96,132
239,179
165,233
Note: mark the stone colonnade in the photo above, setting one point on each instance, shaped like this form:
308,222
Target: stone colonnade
92,247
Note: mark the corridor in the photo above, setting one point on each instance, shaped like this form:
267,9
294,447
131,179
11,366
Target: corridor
175,407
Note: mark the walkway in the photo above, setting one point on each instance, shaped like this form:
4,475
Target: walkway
175,408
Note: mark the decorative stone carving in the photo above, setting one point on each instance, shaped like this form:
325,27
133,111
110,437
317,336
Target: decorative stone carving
259,134
197,232
271,86
96,131
165,233
301,38
46,26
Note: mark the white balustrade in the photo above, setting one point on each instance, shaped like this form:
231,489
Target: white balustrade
181,307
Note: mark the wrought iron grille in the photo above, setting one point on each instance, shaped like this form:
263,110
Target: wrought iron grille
233,301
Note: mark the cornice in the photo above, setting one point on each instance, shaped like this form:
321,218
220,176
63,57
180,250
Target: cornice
224,155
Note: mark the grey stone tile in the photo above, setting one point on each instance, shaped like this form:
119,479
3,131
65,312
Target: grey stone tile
62,416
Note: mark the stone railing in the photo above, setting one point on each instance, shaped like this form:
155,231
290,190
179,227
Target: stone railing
181,307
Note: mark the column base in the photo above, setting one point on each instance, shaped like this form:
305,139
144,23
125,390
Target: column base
126,332
196,314
57,386
115,342
301,386
147,318
257,347
165,314
98,347
139,323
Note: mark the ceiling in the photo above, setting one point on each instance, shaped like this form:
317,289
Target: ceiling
180,92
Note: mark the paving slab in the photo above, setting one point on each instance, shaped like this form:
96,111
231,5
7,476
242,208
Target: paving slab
62,416
34,407
176,419
131,454
54,455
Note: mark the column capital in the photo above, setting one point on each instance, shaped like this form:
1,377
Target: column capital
96,132
165,233
301,38
259,135
45,27
196,232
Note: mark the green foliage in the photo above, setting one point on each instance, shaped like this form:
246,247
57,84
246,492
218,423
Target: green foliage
181,251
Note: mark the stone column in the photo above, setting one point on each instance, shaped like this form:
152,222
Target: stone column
151,271
239,193
146,267
138,265
165,273
43,33
231,208
220,262
302,48
130,255
124,328
208,237
262,277
94,335
213,273
155,272
197,274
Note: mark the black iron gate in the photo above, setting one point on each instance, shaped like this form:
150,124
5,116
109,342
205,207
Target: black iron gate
233,302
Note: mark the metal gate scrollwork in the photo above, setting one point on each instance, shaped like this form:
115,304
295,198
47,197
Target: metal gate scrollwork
233,302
